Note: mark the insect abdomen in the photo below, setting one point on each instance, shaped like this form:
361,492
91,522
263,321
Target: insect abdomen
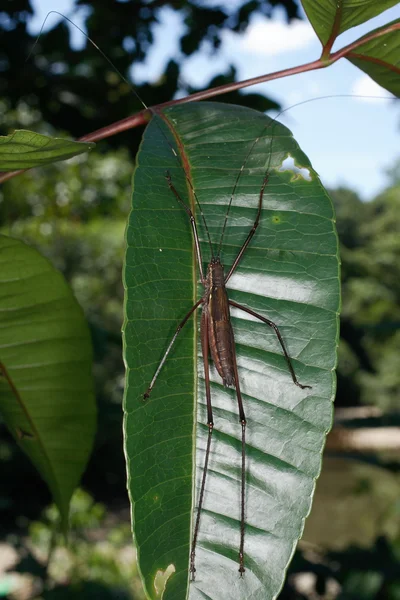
220,330
222,353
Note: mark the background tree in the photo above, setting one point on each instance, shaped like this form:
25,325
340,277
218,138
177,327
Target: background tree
76,91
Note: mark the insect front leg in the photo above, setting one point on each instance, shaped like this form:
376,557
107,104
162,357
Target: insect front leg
203,280
164,358
192,224
252,231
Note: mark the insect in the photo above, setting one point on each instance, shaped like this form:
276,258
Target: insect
217,339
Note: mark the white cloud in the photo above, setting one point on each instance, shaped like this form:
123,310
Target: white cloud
366,87
269,38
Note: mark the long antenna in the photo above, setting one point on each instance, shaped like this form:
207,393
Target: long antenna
103,54
131,87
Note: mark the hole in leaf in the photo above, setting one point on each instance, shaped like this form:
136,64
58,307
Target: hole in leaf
161,578
300,172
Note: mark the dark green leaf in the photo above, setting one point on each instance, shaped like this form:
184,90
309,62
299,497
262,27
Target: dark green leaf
330,18
24,149
289,274
379,58
46,387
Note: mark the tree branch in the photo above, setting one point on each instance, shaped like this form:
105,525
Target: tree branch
142,117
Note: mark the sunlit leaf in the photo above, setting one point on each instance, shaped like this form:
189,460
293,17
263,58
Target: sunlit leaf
24,149
379,58
289,274
330,18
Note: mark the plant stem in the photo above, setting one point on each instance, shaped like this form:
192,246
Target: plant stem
142,117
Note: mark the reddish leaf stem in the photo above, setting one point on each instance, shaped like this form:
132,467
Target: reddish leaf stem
142,117
334,33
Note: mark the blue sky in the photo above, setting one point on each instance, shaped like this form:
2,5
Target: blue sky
350,141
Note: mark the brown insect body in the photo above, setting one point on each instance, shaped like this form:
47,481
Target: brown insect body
216,316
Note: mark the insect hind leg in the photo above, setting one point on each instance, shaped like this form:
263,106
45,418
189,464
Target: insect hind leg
243,423
210,423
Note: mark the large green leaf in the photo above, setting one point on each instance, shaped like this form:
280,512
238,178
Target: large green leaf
330,18
289,274
46,388
24,149
379,58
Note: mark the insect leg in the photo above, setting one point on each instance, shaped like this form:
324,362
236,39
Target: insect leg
164,358
252,231
278,335
242,419
210,423
192,224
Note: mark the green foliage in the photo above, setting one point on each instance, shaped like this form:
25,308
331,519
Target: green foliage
86,189
289,274
24,149
328,17
46,388
379,57
78,222
82,568
370,246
